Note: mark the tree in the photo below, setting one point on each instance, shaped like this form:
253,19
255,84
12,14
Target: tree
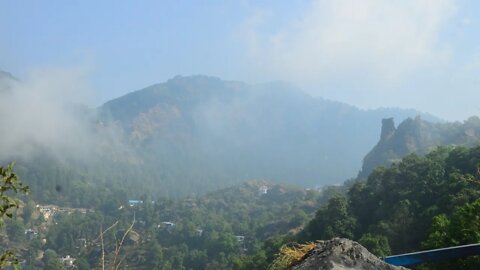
154,255
15,230
82,264
51,261
334,220
28,210
460,229
376,244
9,183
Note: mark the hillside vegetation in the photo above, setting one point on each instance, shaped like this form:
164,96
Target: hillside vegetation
187,135
182,151
234,228
419,202
226,132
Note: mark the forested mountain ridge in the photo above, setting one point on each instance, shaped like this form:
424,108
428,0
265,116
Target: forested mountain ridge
191,135
229,131
416,135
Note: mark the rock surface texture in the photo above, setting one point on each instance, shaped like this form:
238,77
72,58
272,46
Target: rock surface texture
342,254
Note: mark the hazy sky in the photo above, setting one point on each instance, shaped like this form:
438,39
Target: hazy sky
415,54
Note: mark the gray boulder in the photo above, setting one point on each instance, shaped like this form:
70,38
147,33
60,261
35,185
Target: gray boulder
341,254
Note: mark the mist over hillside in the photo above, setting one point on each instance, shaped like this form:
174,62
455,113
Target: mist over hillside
189,134
238,135
197,129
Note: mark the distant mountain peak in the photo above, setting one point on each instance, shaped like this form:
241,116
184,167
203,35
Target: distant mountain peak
415,135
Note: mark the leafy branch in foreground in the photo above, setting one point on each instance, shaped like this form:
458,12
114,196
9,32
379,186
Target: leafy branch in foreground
9,183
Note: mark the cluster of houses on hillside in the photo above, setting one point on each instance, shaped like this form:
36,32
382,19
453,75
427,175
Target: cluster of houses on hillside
49,211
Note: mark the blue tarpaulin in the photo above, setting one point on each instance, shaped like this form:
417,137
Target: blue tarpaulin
434,255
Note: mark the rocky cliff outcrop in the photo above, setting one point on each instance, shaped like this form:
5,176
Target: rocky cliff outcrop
342,254
415,135
388,128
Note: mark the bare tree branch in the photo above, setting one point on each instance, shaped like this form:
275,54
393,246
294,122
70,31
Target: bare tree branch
119,246
103,249
102,243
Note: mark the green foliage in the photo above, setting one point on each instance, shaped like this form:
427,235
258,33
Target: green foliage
15,230
63,237
51,261
7,259
463,227
333,220
82,264
438,233
392,211
205,232
376,244
9,183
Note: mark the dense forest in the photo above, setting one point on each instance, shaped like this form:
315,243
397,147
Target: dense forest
420,202
229,131
187,135
239,135
158,186
234,228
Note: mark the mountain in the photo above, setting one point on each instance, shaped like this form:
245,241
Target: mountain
415,135
189,135
206,132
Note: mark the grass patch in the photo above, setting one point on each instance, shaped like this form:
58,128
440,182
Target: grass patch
290,254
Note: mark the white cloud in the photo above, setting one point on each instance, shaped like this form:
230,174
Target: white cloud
40,111
382,39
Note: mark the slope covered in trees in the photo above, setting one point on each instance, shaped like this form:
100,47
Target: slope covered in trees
221,230
232,131
188,135
419,202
